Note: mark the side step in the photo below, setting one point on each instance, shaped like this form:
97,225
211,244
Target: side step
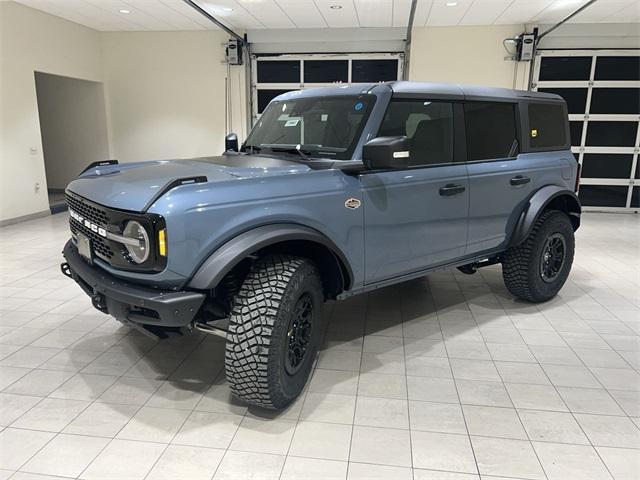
471,268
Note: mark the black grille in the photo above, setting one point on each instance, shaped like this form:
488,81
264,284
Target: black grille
113,220
94,214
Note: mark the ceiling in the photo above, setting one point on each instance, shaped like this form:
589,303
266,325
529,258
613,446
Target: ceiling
149,15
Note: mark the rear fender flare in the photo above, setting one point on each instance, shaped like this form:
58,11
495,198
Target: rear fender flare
230,254
551,196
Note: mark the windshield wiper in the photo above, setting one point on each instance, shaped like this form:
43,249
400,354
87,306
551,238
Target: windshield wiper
302,152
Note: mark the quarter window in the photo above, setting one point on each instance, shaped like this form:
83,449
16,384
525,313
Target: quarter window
490,130
547,124
428,125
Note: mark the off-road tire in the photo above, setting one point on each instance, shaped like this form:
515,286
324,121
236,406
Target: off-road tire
521,269
257,340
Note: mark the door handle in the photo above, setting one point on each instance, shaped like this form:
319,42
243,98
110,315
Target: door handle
451,189
519,180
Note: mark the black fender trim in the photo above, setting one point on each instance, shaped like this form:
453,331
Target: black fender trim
537,204
220,262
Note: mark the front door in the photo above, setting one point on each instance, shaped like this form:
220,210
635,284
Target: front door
416,217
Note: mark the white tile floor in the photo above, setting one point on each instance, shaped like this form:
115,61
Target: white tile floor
442,378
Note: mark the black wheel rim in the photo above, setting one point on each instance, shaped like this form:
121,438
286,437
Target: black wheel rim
552,259
299,334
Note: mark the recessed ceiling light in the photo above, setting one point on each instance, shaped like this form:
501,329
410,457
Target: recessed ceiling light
124,11
451,4
227,9
336,7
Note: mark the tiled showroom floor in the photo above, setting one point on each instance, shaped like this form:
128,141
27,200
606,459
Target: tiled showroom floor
446,377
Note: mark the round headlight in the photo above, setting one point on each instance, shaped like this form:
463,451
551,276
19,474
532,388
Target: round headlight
138,253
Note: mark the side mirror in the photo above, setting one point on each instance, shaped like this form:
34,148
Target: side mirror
386,152
231,143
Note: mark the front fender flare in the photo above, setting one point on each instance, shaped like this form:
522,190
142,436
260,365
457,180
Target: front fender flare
222,261
566,200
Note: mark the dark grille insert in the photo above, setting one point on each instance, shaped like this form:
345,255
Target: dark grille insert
95,215
90,212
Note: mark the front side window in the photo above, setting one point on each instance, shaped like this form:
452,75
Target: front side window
317,126
491,130
427,124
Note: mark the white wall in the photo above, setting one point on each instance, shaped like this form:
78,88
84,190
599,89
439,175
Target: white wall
73,126
33,41
166,94
466,55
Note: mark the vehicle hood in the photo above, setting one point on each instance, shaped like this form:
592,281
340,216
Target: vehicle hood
135,186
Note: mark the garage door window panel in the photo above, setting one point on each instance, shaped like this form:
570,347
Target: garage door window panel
617,68
278,71
565,68
611,134
326,71
366,71
615,101
603,195
606,165
576,129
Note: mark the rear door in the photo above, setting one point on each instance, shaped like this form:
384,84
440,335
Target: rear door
500,180
416,216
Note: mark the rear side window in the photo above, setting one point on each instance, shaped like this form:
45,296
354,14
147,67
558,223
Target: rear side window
547,125
429,126
491,130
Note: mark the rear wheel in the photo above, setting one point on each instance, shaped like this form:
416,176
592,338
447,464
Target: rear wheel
273,331
537,269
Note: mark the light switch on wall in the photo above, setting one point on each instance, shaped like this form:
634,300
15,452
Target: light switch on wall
33,150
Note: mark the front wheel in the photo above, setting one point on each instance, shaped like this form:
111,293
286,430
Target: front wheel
537,269
273,331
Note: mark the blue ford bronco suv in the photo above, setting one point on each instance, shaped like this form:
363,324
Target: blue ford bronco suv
335,192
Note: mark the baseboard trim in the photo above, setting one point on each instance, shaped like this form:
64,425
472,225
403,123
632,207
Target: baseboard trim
25,218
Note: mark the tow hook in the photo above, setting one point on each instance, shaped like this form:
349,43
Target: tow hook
98,303
65,269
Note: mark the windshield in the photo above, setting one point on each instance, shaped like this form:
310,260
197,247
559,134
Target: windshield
313,127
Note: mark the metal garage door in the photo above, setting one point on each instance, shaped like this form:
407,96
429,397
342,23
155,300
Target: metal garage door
276,74
602,90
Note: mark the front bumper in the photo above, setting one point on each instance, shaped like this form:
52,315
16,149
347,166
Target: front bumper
130,303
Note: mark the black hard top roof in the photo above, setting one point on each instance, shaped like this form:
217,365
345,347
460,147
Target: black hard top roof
467,92
433,90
